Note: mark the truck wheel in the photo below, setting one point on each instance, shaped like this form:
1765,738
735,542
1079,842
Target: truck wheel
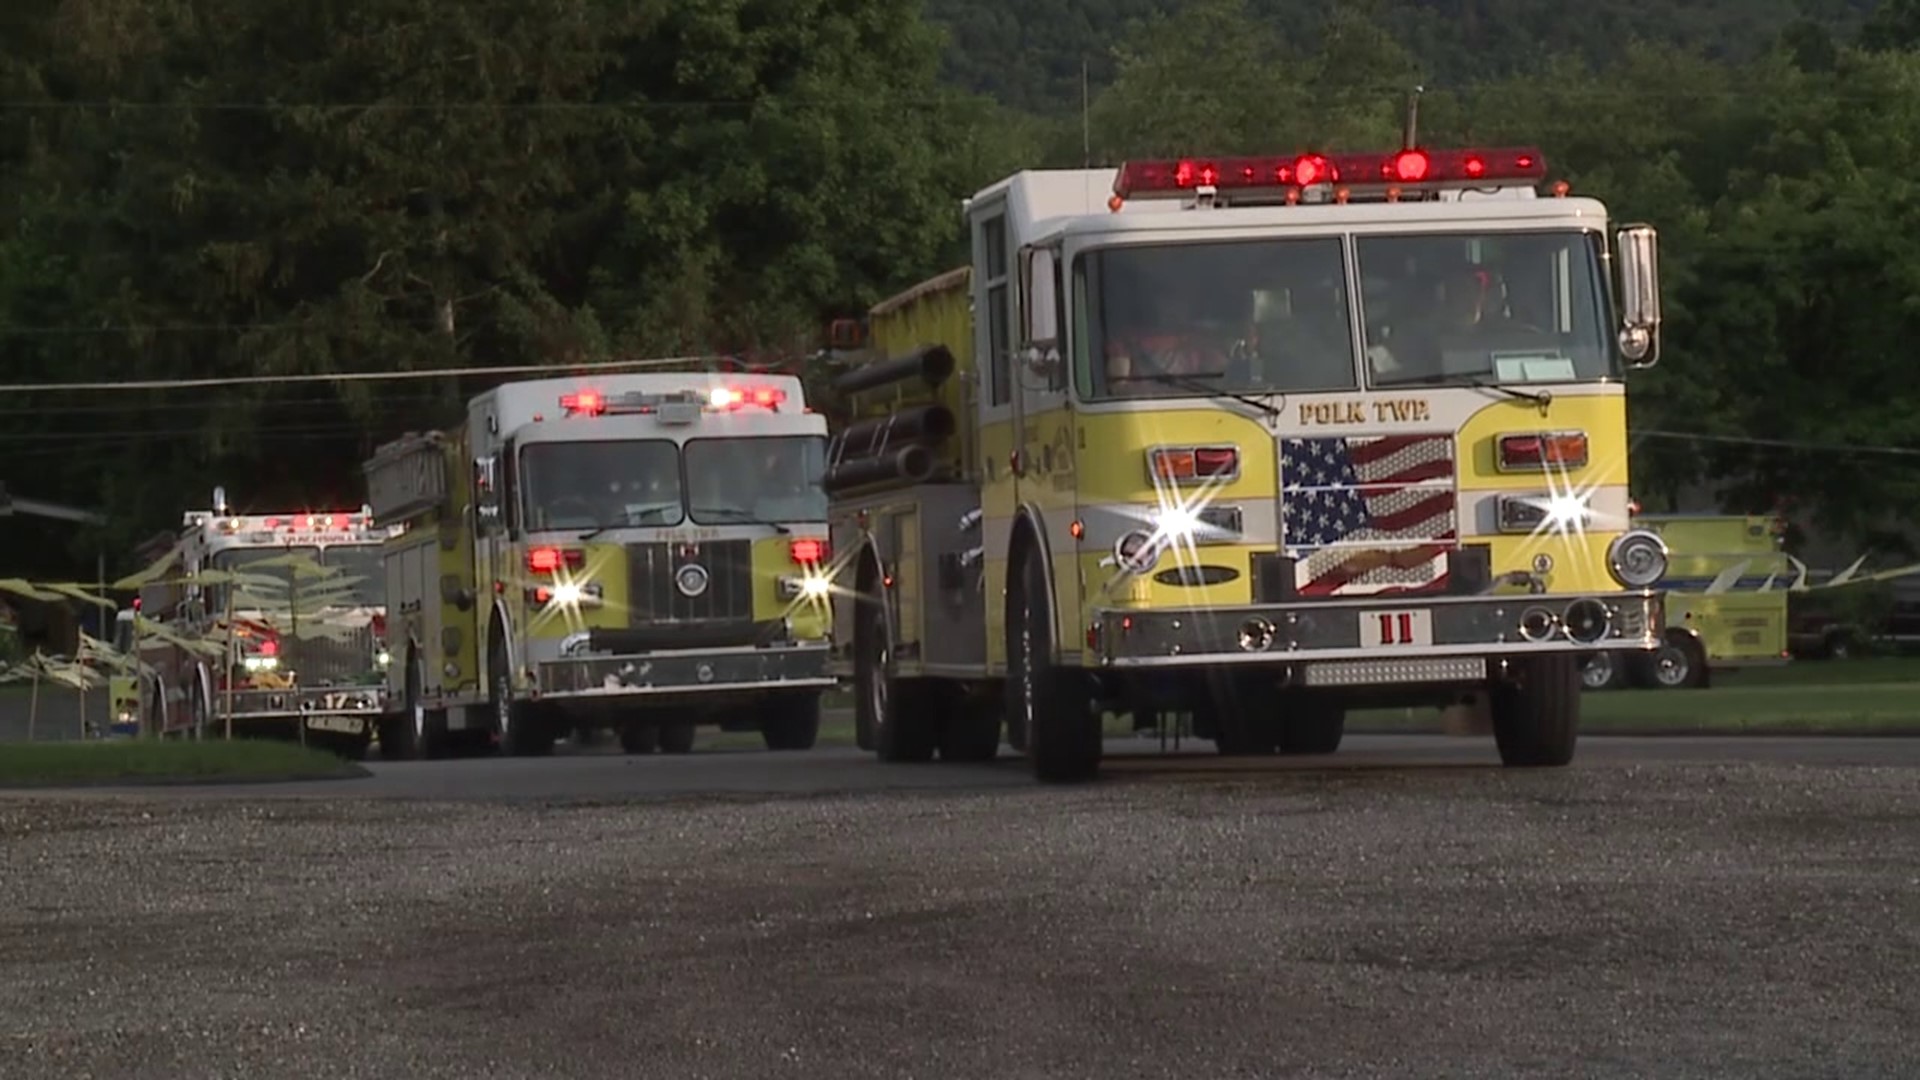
1679,663
415,733
676,738
1063,730
640,738
969,726
1312,727
1536,717
902,728
790,722
1603,670
522,731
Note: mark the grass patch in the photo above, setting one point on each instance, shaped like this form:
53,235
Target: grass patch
148,761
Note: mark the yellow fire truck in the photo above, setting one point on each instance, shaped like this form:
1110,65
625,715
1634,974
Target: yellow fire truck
1726,586
290,610
1260,440
637,551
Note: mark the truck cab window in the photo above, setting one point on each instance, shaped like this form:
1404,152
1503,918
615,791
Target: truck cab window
1242,317
762,479
599,485
1503,307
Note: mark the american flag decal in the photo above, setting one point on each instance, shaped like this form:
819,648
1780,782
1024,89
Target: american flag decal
1366,515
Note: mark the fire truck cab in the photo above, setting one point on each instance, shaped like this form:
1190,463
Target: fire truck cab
644,552
1255,440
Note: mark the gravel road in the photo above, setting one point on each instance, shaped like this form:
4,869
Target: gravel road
1620,918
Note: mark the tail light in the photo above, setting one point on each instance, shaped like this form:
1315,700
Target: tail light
1192,464
1543,449
806,550
548,560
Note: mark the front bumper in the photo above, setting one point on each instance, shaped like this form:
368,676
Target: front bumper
344,709
1379,640
691,671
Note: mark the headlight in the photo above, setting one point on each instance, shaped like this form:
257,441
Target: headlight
1637,559
805,586
1543,512
383,658
260,663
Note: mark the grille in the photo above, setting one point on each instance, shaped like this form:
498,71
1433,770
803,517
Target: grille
1368,515
728,597
331,661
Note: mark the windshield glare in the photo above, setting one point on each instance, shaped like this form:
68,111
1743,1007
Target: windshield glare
767,479
360,566
1494,307
600,485
1241,317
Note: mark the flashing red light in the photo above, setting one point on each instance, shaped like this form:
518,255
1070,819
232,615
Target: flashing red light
271,523
734,397
269,647
548,560
136,605
1411,167
808,550
586,402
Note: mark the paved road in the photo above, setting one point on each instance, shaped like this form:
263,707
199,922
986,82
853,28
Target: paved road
599,776
1666,907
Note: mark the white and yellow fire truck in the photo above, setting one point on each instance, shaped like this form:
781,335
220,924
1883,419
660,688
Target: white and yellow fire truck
1256,440
638,551
262,672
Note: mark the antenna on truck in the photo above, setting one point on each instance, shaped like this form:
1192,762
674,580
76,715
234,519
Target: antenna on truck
1410,136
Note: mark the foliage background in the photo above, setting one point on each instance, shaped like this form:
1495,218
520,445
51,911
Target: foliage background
215,187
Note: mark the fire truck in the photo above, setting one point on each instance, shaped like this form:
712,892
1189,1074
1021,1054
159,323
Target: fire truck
1256,441
265,625
1727,585
645,552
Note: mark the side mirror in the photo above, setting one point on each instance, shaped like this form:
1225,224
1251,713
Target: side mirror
486,493
1639,295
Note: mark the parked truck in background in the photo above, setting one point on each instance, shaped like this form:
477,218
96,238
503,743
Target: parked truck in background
1260,440
646,552
1727,586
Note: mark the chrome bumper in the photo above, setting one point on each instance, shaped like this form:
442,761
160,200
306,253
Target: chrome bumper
1380,640
696,671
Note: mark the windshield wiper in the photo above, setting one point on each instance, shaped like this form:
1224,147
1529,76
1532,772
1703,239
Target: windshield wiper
1542,398
648,512
1198,384
745,517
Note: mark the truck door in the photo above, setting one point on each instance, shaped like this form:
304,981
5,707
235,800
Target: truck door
1044,420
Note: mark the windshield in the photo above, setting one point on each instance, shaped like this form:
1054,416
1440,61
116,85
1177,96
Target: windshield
358,566
1234,317
600,485
1498,307
768,479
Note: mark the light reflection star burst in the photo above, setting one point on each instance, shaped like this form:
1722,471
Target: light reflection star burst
1567,513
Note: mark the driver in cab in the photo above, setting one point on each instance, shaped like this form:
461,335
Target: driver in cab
1159,342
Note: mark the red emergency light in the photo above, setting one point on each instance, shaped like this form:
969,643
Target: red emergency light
586,402
736,397
808,550
1403,168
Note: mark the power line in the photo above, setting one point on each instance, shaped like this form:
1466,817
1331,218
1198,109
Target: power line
556,370
1788,444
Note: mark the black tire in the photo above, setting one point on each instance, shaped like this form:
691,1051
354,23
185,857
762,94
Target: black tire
520,728
969,727
1310,727
903,729
416,733
677,738
790,722
1603,670
640,738
1063,731
1678,664
1536,717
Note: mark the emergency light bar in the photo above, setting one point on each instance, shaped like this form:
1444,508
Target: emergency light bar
718,399
1406,169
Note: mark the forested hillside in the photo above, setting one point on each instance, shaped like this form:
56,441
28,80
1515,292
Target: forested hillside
208,188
